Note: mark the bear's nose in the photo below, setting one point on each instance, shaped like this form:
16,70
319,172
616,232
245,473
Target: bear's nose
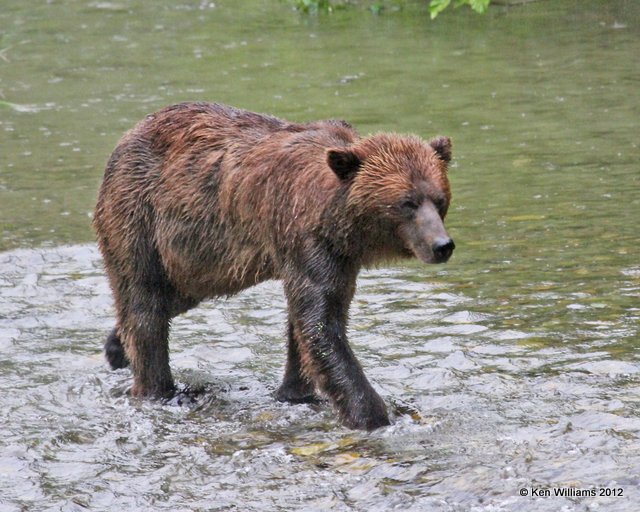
442,249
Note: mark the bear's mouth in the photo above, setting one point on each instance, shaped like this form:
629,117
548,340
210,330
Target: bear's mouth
407,252
420,253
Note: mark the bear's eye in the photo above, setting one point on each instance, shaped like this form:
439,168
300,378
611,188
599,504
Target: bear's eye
409,206
441,205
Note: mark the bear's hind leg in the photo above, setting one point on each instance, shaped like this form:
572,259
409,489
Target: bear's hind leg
296,387
145,304
114,351
145,335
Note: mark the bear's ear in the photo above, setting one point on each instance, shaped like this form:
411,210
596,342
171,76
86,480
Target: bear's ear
344,162
442,146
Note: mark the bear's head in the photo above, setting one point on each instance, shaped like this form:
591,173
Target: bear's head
399,186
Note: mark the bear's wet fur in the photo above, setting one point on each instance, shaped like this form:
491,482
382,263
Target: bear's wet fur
204,200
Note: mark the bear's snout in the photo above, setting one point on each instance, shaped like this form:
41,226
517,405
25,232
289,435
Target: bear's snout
426,237
442,249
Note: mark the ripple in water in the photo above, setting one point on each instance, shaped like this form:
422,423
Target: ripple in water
479,412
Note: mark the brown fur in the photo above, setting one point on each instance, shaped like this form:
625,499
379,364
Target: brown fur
204,200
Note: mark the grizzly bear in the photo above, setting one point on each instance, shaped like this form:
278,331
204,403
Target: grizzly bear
203,200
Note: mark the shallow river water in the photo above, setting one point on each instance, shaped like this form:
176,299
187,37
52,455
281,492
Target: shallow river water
512,372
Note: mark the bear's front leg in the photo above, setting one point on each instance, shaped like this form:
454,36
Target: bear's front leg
319,310
296,387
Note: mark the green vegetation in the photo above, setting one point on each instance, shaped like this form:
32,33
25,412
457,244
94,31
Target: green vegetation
435,6
314,5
